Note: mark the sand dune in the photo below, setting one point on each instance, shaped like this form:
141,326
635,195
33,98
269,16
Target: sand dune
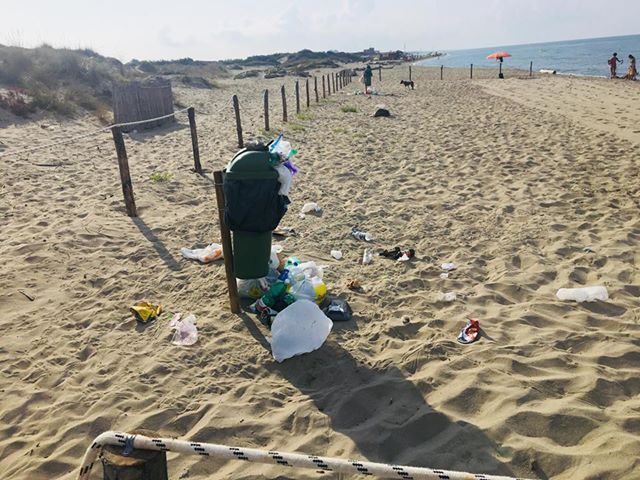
524,197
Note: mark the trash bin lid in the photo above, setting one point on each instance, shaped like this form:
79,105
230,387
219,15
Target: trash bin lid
250,165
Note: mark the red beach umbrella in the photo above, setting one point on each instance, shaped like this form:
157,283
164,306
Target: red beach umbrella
500,55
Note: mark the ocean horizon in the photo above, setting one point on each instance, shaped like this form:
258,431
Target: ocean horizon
586,57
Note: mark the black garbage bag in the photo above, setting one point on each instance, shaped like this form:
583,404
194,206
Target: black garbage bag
253,205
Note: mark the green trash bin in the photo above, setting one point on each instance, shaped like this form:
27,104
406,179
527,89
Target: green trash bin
251,249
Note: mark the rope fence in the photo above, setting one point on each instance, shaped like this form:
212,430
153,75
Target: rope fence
338,80
283,459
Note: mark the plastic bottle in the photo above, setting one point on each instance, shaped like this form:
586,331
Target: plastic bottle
584,294
367,256
360,235
277,291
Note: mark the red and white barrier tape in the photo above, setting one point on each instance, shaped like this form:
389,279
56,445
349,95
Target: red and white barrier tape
223,452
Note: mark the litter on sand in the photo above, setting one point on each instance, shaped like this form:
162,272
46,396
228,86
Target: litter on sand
300,328
338,310
185,330
470,332
448,266
207,254
448,297
584,294
337,254
145,311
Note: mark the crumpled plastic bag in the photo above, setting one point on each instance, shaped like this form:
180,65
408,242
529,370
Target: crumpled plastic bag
256,287
285,177
207,254
186,332
299,328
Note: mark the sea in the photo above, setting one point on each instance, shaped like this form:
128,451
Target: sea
572,57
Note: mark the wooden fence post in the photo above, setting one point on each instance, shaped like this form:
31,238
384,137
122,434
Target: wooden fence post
471,71
441,71
531,68
380,73
307,88
409,72
125,177
236,107
297,97
227,250
333,79
194,139
328,85
323,89
138,464
266,110
315,88
284,104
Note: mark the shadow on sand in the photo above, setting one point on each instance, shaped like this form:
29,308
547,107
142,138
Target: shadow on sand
164,254
385,414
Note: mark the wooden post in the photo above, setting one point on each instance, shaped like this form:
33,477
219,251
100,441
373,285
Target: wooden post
194,140
284,104
531,68
380,73
341,77
135,465
307,88
266,110
236,107
409,72
328,85
333,79
441,71
227,250
315,88
323,89
125,177
471,72
297,97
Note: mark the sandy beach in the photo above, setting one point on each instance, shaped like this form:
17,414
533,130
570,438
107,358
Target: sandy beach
527,185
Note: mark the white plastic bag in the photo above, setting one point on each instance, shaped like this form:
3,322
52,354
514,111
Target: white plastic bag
299,328
310,207
207,254
186,332
285,177
254,288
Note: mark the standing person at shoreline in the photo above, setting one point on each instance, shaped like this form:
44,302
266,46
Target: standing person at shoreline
632,72
613,64
367,76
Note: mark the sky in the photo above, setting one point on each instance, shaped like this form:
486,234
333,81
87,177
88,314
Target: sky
214,29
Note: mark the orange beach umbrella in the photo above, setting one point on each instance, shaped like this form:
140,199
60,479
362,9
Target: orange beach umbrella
498,55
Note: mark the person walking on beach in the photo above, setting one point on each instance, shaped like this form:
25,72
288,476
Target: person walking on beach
367,76
613,65
632,72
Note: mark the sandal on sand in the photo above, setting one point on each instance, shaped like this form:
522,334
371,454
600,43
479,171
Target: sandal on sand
470,332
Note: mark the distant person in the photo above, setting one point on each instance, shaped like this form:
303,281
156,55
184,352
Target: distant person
632,72
367,76
613,65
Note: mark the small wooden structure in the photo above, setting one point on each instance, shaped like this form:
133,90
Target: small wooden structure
135,101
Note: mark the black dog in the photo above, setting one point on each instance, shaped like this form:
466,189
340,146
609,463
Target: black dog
407,83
